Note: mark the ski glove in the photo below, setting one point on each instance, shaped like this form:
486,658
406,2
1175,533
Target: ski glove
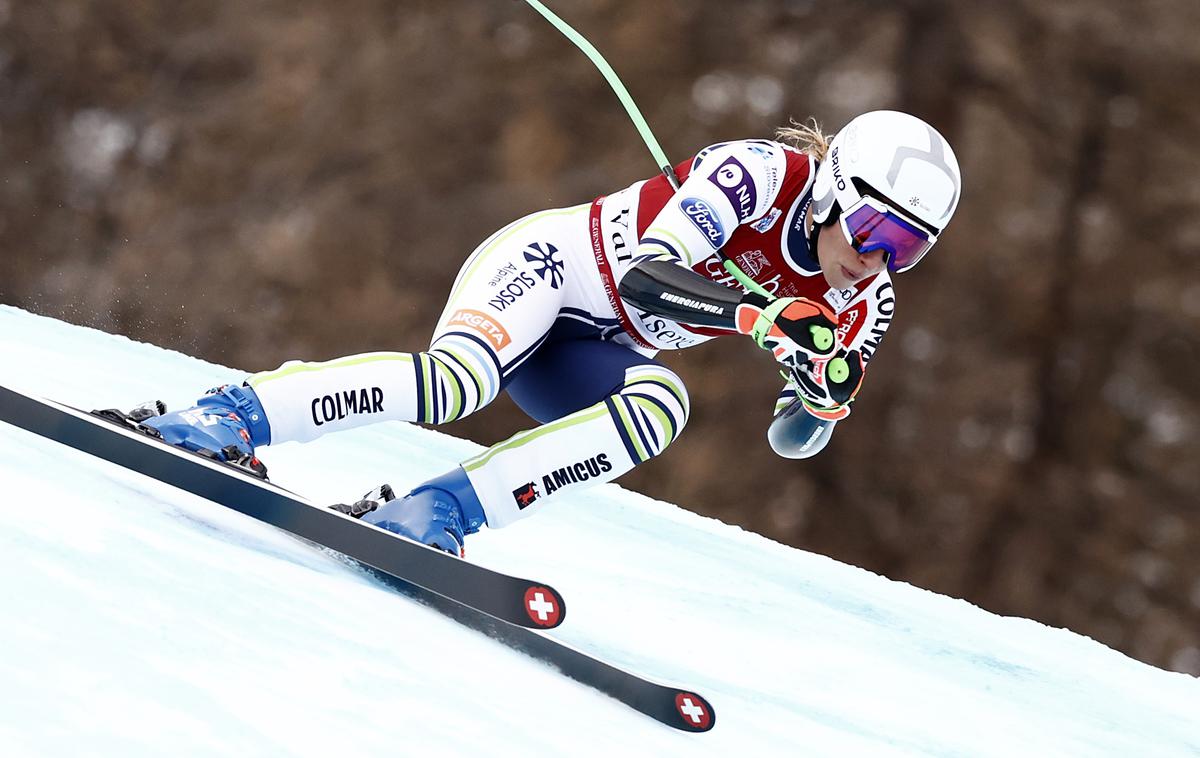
795,330
828,385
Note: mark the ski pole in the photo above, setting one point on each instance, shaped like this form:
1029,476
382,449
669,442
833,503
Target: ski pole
618,87
639,122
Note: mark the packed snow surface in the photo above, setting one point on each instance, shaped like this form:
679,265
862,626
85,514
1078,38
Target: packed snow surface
142,621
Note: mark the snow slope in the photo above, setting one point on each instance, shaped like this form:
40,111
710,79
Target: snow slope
138,620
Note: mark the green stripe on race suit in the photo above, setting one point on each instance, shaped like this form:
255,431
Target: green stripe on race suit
297,367
521,438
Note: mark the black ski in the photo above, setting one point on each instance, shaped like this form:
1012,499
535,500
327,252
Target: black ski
505,608
508,598
680,709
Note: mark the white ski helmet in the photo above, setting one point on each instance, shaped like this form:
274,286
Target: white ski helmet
895,158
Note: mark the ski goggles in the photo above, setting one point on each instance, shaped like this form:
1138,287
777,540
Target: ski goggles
871,224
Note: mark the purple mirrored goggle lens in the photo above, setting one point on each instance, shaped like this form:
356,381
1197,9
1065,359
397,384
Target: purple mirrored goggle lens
869,227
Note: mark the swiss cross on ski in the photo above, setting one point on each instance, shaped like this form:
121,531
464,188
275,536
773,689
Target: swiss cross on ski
543,606
695,711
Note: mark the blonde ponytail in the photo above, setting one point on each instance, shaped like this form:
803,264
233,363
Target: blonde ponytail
807,138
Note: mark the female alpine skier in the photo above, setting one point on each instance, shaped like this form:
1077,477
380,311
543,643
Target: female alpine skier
790,243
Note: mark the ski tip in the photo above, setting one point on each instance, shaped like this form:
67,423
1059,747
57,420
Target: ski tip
695,713
544,606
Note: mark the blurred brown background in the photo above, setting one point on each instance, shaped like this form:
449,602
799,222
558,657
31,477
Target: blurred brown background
257,181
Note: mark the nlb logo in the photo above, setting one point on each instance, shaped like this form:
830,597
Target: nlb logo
484,325
729,174
702,215
733,180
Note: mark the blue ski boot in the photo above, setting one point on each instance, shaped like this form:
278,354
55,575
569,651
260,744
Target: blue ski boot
439,513
227,424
